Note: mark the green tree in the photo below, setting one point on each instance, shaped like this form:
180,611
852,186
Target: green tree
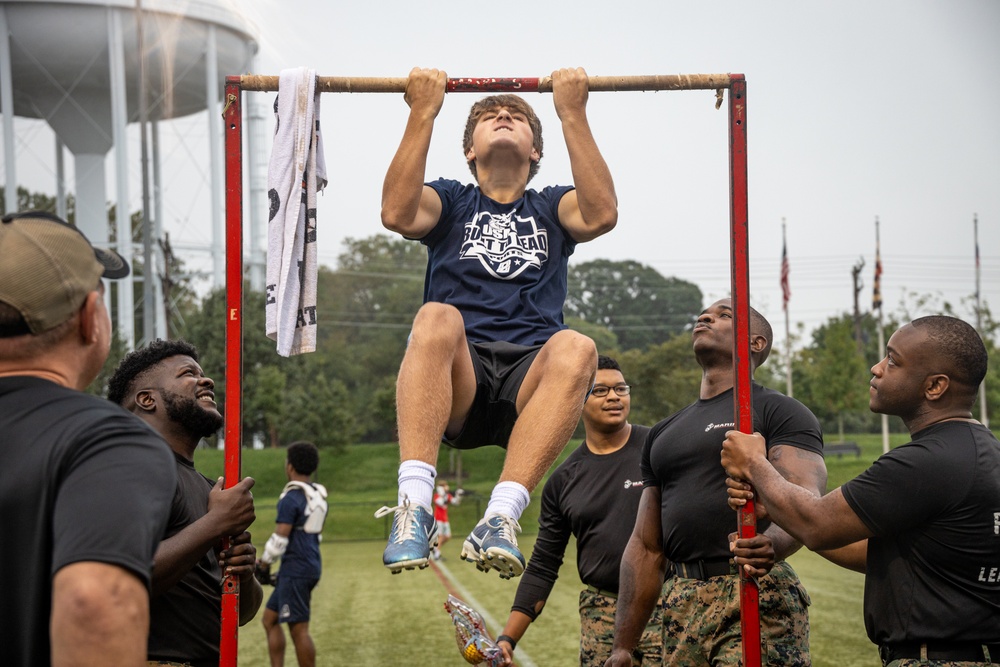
366,308
664,378
319,412
633,301
264,407
37,201
834,375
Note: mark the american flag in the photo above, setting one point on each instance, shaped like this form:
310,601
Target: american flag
786,291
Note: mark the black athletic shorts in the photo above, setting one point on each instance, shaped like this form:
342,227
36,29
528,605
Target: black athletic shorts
500,370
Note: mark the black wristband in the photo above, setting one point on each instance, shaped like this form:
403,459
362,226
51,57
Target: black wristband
505,638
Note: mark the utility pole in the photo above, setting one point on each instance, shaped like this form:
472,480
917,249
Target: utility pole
165,280
983,417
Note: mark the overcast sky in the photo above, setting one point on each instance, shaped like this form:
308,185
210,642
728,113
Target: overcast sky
856,110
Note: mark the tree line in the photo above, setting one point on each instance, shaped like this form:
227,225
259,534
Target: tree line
345,392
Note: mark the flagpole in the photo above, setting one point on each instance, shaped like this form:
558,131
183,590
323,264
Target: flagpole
983,416
877,303
785,295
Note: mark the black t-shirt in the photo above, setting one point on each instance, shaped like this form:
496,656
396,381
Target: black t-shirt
81,479
594,497
681,457
933,570
185,622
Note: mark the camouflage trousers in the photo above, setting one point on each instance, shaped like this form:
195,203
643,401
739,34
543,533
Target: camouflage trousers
914,662
701,620
597,631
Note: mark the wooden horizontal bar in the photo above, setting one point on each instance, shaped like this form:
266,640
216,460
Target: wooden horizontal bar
652,82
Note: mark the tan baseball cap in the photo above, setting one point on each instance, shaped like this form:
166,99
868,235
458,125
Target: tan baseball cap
47,268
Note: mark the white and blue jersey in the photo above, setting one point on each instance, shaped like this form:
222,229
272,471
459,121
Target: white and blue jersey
301,558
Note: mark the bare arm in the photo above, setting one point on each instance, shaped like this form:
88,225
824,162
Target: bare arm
100,616
517,625
408,206
802,468
230,512
592,208
853,556
819,522
642,570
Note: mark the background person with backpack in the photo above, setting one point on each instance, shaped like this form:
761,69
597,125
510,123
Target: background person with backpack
302,510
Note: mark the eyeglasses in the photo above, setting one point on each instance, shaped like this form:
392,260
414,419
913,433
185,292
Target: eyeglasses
601,391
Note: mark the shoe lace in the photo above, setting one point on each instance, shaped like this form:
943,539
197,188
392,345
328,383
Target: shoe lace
405,520
508,528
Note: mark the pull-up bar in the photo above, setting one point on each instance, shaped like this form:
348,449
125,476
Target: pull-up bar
652,82
740,267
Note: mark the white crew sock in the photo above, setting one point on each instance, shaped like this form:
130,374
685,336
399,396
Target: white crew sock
509,499
416,481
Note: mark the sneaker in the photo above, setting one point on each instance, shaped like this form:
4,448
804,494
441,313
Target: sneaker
413,534
493,544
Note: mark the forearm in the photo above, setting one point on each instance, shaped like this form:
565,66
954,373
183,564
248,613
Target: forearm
795,509
251,595
177,555
404,180
853,556
595,188
806,470
641,581
517,625
784,544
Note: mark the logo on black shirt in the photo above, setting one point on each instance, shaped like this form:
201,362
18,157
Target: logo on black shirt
629,483
729,425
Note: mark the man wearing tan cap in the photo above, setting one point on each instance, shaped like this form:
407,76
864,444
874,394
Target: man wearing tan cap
85,487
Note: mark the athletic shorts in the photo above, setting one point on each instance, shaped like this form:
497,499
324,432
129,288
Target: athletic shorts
500,370
290,598
444,528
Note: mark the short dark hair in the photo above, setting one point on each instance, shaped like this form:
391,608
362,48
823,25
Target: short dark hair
138,362
495,102
606,363
958,345
304,457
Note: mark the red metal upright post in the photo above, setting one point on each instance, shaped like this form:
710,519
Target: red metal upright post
233,118
742,396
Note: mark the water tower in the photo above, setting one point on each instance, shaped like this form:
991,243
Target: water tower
76,64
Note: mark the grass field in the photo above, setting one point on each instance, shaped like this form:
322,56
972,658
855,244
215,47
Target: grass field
364,615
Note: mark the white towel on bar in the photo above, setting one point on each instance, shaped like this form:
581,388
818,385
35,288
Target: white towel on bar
295,173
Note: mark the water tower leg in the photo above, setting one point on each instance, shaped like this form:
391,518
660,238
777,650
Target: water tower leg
215,137
7,109
164,310
119,118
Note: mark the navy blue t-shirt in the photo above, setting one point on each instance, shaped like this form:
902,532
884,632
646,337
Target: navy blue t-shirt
301,558
502,265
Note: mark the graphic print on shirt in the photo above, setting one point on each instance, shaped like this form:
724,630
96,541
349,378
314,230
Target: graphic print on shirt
506,244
